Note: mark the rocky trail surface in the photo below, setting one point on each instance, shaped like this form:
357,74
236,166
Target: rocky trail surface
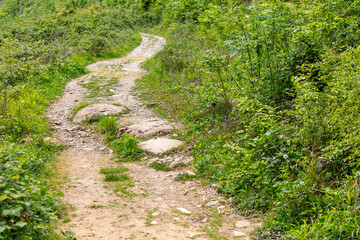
150,204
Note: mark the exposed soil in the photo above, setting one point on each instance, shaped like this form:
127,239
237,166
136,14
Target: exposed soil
145,206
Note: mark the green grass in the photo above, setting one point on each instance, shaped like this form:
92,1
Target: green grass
160,167
115,174
114,170
107,125
100,86
111,177
40,52
270,102
126,149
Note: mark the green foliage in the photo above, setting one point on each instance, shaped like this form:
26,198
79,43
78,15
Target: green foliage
43,44
126,148
160,166
111,177
114,170
26,204
107,125
184,177
270,101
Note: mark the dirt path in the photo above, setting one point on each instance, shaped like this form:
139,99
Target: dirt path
150,205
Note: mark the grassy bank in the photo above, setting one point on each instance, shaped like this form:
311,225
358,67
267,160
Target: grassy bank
268,92
40,51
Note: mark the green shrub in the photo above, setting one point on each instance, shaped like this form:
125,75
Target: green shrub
271,106
126,148
107,125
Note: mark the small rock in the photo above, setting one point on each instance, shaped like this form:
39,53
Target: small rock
191,173
156,214
152,160
205,220
58,122
214,185
219,208
184,210
186,192
102,148
212,204
160,145
192,235
187,160
239,234
177,219
243,224
153,222
176,163
94,110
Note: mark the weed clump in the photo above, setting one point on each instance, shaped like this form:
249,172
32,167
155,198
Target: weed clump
107,125
160,166
126,148
112,177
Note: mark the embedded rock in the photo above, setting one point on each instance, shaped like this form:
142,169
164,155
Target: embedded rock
148,128
95,110
160,145
212,204
243,224
176,163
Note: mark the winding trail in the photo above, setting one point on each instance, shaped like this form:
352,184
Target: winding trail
144,207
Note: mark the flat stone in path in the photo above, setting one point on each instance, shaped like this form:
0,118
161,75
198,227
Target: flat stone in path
160,145
148,128
95,110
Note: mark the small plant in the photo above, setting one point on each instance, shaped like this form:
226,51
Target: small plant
114,170
68,235
150,217
127,148
116,177
94,206
160,166
115,174
107,125
184,177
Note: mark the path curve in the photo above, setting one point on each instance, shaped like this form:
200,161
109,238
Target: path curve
148,208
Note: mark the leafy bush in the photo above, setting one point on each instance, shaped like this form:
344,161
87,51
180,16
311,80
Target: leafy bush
26,204
43,44
271,106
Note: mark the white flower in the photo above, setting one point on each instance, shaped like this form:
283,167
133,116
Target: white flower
285,156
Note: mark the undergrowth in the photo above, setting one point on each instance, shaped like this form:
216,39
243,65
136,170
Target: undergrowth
271,107
268,91
44,44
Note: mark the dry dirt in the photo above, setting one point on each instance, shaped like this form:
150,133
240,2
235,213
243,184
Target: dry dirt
146,205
